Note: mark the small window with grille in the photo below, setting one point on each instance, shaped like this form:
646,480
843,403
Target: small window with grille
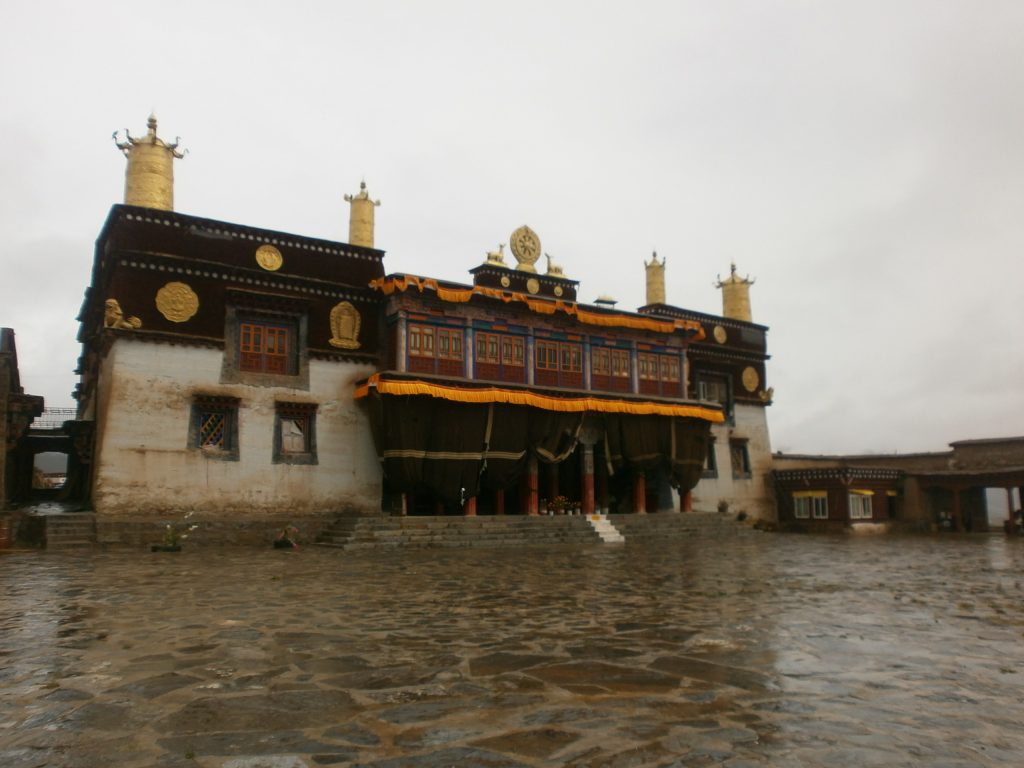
213,427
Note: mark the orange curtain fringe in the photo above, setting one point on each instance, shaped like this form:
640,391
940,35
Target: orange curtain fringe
534,399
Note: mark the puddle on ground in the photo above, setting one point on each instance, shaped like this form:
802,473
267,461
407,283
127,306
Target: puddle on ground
752,650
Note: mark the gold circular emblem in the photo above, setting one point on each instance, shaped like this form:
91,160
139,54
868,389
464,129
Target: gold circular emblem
268,257
177,302
533,285
720,334
558,290
505,282
525,247
750,379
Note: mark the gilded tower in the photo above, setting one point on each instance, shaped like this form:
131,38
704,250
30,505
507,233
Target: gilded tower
735,296
655,280
149,176
360,221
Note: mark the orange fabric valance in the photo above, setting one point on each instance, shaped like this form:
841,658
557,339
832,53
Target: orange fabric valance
388,285
534,399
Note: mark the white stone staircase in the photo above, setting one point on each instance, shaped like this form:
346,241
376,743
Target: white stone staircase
609,533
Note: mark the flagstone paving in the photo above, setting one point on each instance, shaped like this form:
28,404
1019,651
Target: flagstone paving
747,651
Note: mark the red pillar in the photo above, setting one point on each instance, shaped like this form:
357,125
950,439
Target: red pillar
688,501
587,494
639,493
469,507
499,502
532,504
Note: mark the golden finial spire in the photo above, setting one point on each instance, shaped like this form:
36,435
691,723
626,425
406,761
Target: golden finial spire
360,220
655,280
735,295
149,175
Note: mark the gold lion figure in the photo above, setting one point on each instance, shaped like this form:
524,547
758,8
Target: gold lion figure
113,317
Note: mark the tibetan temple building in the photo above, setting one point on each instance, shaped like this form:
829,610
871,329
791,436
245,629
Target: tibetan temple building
248,374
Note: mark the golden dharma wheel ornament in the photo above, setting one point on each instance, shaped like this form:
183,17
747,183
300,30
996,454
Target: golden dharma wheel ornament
720,334
177,302
750,379
268,257
558,290
533,285
525,247
505,282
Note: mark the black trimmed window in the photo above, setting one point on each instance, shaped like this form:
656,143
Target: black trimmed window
716,389
295,433
265,345
710,461
213,426
739,456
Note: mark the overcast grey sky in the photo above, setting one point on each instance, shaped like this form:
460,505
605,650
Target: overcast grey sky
864,161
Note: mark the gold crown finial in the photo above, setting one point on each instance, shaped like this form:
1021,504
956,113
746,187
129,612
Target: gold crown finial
735,295
149,175
360,221
655,280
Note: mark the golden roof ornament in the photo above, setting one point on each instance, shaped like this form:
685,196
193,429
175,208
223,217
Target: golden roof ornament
555,270
497,258
525,247
149,175
735,295
360,222
655,280
734,279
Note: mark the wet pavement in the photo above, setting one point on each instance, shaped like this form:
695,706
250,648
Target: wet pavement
751,650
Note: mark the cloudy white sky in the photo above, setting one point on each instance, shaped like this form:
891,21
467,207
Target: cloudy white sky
864,161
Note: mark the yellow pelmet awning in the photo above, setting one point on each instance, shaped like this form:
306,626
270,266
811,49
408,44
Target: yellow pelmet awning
535,399
388,285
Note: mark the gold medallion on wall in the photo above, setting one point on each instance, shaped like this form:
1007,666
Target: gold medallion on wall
177,302
558,290
505,282
720,334
750,379
533,285
526,248
268,257
345,323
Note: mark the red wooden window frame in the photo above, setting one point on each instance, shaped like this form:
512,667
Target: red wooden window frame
265,347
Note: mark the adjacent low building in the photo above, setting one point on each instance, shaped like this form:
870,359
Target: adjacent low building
921,491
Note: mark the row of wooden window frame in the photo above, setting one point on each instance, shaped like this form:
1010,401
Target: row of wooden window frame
567,357
814,505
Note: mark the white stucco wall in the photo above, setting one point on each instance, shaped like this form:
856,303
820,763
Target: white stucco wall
750,495
144,466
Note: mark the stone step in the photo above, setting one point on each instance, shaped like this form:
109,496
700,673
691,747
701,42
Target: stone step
609,533
366,533
74,530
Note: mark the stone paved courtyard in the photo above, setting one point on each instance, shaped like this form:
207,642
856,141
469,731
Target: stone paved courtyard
750,650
